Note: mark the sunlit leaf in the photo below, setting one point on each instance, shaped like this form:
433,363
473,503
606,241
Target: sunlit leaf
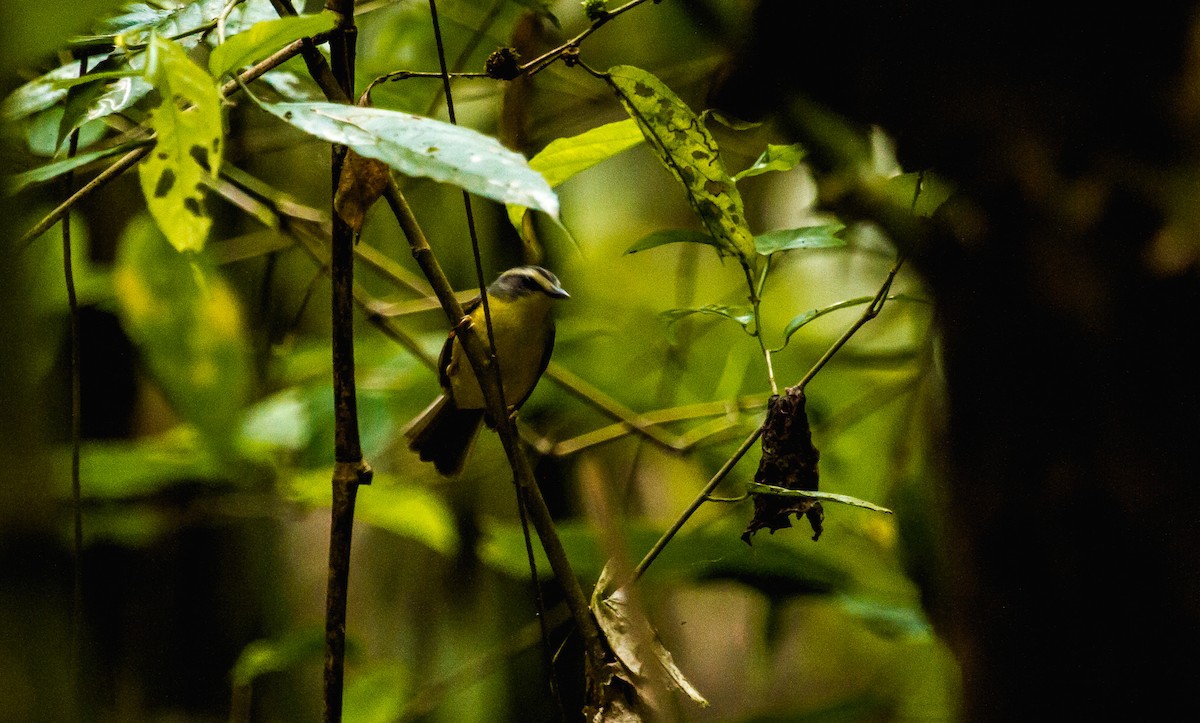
419,146
808,237
645,659
565,157
264,38
187,324
671,236
50,171
403,509
775,158
690,153
188,150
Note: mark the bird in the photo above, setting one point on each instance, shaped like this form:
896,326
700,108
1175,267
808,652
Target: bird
519,303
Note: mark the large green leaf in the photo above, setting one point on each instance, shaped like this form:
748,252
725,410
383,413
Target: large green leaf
419,146
565,157
689,152
187,323
175,175
264,38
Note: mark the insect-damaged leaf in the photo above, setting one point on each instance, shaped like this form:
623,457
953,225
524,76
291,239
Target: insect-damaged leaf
188,150
690,153
419,146
187,324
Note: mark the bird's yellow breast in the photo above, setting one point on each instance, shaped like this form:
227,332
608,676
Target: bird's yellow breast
522,328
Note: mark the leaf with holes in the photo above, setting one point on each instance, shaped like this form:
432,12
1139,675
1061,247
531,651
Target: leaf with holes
419,146
690,153
186,321
264,38
187,154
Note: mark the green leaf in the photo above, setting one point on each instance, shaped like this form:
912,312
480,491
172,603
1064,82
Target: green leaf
934,190
800,320
187,323
775,158
272,656
565,157
264,38
671,236
762,489
378,695
187,154
743,315
50,171
808,237
126,470
690,153
38,94
419,146
403,509
86,103
169,18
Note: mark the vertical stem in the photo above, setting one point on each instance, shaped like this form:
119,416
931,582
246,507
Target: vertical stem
76,425
350,470
755,300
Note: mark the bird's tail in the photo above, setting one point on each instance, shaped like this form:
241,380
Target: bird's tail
443,434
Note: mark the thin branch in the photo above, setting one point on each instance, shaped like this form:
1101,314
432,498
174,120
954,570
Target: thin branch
477,355
871,312
350,470
76,425
544,60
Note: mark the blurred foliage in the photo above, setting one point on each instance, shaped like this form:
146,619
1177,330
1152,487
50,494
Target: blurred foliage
226,463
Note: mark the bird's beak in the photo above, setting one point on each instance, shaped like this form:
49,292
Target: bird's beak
558,292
